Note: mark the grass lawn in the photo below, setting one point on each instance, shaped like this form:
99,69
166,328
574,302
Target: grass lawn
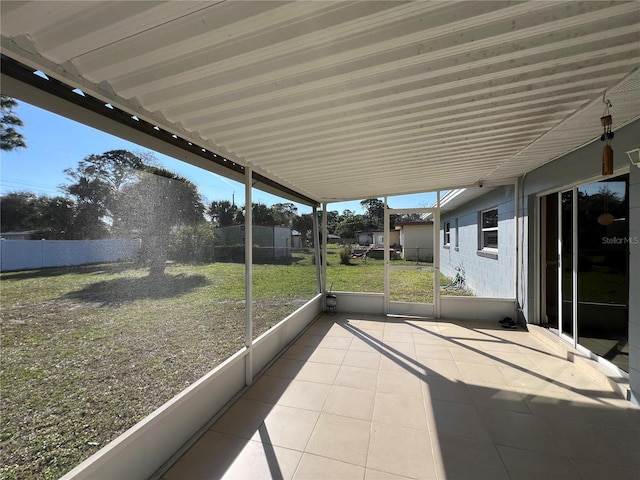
89,351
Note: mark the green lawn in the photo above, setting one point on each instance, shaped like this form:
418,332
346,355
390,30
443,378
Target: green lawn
89,351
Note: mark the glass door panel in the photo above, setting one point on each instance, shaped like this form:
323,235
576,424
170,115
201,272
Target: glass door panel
566,263
603,269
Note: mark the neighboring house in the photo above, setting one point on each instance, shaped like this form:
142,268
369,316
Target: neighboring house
376,238
416,239
364,238
269,242
296,239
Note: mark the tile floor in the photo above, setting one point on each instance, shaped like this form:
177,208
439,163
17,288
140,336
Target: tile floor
369,397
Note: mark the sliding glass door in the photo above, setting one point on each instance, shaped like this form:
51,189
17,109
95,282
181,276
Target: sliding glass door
603,269
591,285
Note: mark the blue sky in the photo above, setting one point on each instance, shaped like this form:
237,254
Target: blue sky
55,143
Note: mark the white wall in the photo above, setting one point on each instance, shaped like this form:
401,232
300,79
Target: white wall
417,236
31,254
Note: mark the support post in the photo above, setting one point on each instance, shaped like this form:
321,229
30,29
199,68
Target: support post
316,251
387,258
436,258
248,274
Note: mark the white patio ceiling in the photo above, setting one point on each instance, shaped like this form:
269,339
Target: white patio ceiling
350,100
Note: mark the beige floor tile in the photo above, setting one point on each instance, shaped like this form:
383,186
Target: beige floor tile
433,352
528,378
356,397
401,451
340,330
400,410
357,377
350,402
530,465
267,389
307,395
243,418
402,382
208,458
287,427
401,325
318,372
499,346
464,459
365,345
258,461
442,368
433,338
372,324
518,430
498,399
362,359
474,356
402,349
397,336
285,368
310,339
299,352
340,438
314,467
598,444
439,388
455,419
336,342
482,374
371,474
333,356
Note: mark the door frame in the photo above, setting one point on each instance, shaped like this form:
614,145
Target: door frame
435,212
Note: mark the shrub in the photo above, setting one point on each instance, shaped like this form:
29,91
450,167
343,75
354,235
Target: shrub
345,255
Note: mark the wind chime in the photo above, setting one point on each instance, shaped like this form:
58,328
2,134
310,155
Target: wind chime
607,153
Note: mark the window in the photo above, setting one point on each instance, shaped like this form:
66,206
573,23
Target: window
457,234
447,234
489,233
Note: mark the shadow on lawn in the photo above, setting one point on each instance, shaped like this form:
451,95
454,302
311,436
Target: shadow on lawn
94,269
121,290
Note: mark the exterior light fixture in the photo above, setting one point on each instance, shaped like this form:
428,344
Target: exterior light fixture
634,156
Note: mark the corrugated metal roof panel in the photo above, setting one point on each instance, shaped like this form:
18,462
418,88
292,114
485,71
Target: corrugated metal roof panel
344,100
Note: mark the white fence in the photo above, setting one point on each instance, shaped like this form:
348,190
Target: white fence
31,254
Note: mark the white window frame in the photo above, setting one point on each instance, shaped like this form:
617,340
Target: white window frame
482,230
446,242
457,227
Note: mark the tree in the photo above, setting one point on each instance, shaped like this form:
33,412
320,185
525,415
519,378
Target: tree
374,212
96,184
10,138
53,217
58,214
17,211
304,224
222,213
153,205
283,214
350,226
262,215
